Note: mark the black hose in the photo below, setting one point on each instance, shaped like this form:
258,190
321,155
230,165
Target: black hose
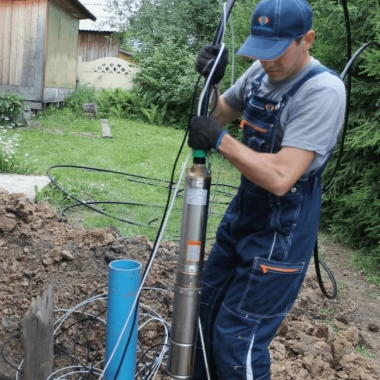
318,261
329,182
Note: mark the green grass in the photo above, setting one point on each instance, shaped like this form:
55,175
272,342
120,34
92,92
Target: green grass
136,150
364,352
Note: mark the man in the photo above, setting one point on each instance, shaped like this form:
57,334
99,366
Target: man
292,109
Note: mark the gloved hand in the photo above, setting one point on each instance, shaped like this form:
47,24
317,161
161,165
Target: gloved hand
205,133
209,53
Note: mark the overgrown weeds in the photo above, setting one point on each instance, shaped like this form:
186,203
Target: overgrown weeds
11,110
9,161
119,103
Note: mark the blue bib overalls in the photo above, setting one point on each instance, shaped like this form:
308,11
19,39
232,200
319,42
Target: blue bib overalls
259,261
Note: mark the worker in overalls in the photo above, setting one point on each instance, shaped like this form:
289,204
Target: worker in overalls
292,109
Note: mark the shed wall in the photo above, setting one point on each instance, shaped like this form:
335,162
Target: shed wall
62,44
22,46
95,45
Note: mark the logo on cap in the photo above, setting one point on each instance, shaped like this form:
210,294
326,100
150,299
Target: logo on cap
263,20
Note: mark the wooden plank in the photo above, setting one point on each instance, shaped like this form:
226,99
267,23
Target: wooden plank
13,48
25,92
26,56
81,45
7,42
54,30
2,36
38,337
96,47
40,52
106,130
90,46
84,47
21,20
32,44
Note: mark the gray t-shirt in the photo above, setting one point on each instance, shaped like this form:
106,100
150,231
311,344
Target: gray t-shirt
311,120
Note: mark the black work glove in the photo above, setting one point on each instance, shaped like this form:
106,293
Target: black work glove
205,133
205,61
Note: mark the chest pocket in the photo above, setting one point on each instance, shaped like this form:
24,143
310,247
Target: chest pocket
261,116
260,120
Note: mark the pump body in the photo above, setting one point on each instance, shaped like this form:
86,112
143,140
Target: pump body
188,282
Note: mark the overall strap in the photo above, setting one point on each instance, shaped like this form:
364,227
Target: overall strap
257,82
313,72
287,96
255,85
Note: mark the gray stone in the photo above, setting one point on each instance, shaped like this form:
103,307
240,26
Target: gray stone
17,183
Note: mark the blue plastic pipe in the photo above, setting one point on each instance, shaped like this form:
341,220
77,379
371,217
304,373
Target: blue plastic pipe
123,284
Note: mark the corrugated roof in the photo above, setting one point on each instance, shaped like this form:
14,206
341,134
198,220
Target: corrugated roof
104,18
77,9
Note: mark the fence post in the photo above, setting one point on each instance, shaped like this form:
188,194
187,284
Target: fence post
38,341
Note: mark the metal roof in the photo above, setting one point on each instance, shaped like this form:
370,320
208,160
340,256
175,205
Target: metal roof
104,18
77,9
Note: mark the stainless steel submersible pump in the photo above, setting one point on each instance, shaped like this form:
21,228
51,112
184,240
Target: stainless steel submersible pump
188,283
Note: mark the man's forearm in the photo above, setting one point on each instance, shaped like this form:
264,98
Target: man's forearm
215,104
276,173
221,110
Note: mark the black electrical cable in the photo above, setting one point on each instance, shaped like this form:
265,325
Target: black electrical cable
88,204
73,356
55,345
75,360
131,177
111,216
88,319
156,242
145,353
217,39
127,343
329,183
317,260
2,352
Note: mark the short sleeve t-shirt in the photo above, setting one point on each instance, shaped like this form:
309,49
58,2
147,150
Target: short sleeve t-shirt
311,120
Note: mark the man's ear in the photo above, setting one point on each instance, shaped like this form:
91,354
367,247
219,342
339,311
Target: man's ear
308,39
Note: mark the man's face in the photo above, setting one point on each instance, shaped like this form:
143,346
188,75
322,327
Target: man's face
288,64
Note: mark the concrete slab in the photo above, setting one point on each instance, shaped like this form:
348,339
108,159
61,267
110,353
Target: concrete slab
17,183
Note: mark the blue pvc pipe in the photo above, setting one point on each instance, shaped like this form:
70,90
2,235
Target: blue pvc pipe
123,284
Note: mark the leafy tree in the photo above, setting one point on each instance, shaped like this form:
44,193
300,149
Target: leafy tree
168,76
351,206
184,22
165,36
237,31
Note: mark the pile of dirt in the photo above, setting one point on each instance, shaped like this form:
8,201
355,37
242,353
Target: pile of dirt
320,339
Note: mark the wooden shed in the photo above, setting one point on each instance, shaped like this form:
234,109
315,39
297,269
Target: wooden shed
38,48
98,39
101,62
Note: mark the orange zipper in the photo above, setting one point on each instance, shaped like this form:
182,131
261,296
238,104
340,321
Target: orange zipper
245,122
276,269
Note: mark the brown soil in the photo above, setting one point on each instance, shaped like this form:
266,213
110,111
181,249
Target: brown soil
320,339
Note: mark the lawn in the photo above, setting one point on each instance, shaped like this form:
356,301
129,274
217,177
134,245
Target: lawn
126,177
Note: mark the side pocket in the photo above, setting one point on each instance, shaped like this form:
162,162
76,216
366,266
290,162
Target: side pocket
272,288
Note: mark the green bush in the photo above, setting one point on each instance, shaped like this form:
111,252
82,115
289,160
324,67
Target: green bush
83,94
11,110
168,77
119,103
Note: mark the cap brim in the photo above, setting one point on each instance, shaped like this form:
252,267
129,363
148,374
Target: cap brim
263,48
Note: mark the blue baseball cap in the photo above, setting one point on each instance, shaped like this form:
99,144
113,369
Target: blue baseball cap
275,25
